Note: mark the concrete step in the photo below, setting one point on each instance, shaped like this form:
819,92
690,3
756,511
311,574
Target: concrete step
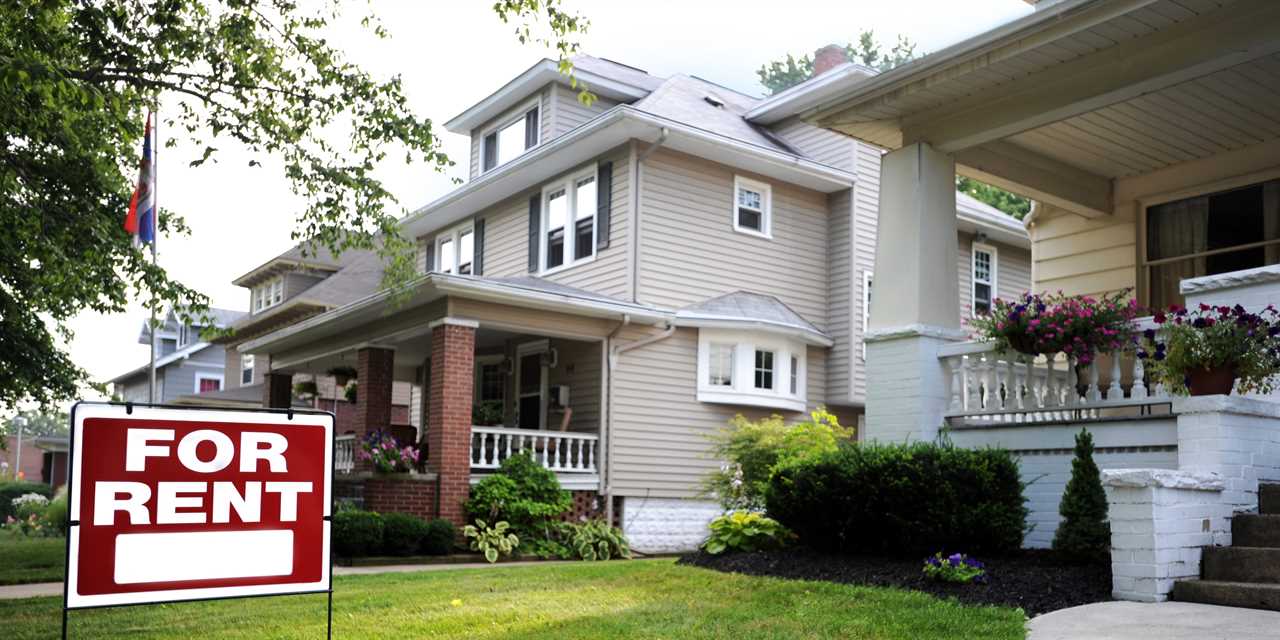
1248,530
1229,594
1269,499
1241,564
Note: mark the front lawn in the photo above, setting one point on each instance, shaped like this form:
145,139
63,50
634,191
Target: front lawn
635,599
25,560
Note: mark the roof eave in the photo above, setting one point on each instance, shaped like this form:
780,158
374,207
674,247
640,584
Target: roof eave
707,321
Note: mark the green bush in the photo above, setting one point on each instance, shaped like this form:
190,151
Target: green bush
522,493
494,542
597,540
913,498
55,515
357,533
1085,534
10,489
745,531
402,534
754,449
440,538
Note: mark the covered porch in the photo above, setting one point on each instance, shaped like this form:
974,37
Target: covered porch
497,365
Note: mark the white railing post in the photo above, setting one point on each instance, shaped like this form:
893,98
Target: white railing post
1115,391
953,381
1139,389
1093,394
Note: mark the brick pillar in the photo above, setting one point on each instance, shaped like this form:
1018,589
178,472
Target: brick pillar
277,390
373,394
453,345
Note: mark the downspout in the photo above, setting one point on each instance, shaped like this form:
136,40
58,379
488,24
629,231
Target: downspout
612,366
634,254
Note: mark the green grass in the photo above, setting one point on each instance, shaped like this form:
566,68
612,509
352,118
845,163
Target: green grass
24,560
637,599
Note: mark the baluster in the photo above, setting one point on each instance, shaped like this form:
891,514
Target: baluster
556,462
1050,382
953,366
590,461
1020,368
475,449
492,449
1073,383
992,383
508,452
545,444
1093,394
1139,390
1115,391
972,399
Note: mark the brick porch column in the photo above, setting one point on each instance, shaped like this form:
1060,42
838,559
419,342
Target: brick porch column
277,390
373,394
449,397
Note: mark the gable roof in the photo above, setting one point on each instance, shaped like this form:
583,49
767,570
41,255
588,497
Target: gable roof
753,311
180,354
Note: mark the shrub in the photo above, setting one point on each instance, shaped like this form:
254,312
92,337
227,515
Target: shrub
439,538
357,533
29,504
957,568
744,531
522,493
55,515
13,489
1084,533
597,540
402,534
493,542
753,450
902,499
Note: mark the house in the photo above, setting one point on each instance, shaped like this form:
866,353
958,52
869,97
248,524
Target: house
614,283
285,290
186,363
43,459
1148,132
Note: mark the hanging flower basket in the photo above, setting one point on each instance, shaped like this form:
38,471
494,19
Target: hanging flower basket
342,375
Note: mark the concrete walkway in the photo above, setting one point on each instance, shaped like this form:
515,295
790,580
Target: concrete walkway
42,589
1161,621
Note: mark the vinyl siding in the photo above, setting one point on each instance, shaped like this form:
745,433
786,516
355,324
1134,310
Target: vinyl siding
1013,272
567,113
841,286
544,116
661,431
579,368
823,145
866,207
1081,256
689,251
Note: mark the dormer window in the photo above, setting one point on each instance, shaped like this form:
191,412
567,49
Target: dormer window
187,334
456,250
510,139
268,294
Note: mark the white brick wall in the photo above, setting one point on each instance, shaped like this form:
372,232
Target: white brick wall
1237,438
906,385
667,525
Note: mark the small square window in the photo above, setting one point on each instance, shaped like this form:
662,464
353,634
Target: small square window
721,365
764,369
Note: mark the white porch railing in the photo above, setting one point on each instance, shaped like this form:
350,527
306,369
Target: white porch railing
560,451
344,453
986,385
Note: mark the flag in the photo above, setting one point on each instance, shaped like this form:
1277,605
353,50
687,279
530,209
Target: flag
141,219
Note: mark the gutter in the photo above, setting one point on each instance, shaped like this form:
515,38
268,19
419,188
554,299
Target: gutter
607,423
633,256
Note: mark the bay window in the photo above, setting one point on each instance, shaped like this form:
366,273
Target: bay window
751,368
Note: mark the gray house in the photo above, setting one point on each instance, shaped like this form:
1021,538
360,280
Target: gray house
616,281
185,362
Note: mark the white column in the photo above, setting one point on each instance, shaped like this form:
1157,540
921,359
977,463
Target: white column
916,300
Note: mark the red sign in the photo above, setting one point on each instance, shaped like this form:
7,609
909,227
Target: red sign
186,504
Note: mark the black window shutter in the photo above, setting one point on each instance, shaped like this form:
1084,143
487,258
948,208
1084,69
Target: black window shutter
477,260
535,222
531,125
430,250
490,151
604,203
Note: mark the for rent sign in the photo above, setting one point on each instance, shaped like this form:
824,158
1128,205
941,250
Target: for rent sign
183,504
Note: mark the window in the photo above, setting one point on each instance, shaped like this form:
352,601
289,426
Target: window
569,221
268,294
246,369
721,365
184,335
491,380
1210,234
206,382
867,277
455,250
751,207
508,141
984,278
764,369
795,374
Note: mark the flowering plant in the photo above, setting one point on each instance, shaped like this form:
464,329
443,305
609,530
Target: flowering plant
1045,324
1191,342
957,567
387,455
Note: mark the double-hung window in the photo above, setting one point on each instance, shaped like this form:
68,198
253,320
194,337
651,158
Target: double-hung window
752,207
569,221
246,369
508,140
455,250
720,365
268,294
984,278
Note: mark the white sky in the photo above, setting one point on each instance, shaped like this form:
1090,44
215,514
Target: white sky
452,54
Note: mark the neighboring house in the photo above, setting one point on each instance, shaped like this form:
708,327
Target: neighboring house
284,291
617,281
1149,135
44,460
185,362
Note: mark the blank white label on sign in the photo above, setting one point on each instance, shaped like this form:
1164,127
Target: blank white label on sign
202,555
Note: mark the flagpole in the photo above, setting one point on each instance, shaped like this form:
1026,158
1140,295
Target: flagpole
155,226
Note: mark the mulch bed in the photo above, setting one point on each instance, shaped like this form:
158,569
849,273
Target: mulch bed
1033,579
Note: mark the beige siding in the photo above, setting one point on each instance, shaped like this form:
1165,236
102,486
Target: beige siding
543,96
824,145
1013,272
866,212
578,367
661,432
1082,256
689,251
841,287
567,113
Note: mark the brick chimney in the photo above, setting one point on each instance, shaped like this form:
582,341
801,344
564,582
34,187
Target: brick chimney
828,58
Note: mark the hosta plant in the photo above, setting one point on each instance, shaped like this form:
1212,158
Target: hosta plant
597,540
957,567
494,542
745,531
1191,343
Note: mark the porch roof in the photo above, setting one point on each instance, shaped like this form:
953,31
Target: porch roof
1058,104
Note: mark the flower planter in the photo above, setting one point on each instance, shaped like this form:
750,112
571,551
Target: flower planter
1209,382
1023,343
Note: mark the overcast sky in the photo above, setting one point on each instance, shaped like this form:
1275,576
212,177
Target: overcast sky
451,55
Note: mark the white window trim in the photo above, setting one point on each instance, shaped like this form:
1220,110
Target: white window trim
743,391
481,362
766,215
518,114
973,272
265,293
569,184
867,277
252,363
455,235
208,376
